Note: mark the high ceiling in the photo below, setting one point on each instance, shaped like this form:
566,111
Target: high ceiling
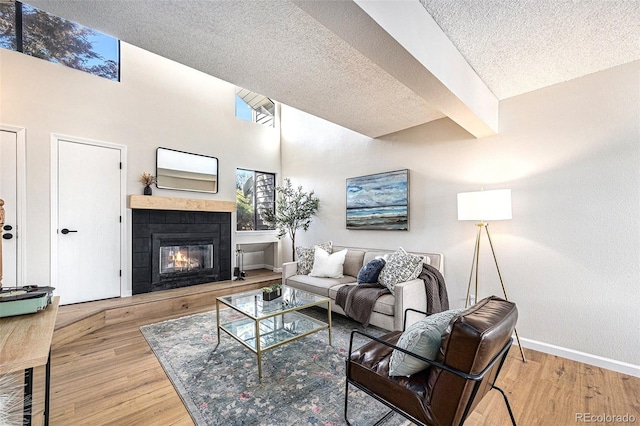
517,46
378,67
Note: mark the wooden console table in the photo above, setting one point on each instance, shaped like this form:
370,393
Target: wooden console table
25,343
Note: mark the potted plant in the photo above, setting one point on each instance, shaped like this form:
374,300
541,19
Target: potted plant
294,210
147,180
272,292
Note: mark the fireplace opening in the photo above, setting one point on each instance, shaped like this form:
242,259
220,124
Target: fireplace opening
185,258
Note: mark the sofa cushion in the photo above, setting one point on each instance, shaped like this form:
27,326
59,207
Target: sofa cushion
422,338
305,255
328,265
353,262
369,273
319,286
384,305
400,267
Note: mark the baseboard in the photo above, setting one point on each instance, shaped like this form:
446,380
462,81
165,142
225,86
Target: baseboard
598,361
256,266
262,266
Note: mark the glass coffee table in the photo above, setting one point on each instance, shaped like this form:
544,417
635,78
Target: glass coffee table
266,325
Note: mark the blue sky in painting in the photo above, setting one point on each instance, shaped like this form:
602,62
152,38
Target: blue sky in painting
383,189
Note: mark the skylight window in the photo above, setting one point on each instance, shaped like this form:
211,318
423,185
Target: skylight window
37,33
253,107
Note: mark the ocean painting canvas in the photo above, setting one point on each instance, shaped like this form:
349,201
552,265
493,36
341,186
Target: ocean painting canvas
379,201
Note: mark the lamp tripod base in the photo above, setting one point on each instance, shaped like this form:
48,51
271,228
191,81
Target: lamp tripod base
474,272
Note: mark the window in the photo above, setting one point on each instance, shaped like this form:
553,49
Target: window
253,107
34,32
255,193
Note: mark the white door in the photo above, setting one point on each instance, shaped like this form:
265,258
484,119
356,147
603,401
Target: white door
89,222
9,193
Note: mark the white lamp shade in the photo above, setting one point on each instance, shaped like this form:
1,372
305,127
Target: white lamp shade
485,205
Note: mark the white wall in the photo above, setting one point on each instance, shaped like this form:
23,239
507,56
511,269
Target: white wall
570,153
157,103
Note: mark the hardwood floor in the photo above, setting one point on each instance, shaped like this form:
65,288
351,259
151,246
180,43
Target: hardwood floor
111,377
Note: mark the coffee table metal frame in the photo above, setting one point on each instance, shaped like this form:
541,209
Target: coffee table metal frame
267,325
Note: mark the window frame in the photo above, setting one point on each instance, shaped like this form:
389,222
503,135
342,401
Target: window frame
254,196
257,116
19,44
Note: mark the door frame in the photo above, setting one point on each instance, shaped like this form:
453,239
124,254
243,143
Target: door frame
21,200
124,263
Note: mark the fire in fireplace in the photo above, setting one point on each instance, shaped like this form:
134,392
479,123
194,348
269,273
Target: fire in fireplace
187,258
182,259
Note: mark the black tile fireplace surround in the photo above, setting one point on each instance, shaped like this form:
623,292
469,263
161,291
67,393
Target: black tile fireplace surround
155,228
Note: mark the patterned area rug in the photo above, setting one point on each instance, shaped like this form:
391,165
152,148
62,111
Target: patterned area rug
302,382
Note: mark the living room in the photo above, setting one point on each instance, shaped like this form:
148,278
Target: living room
568,151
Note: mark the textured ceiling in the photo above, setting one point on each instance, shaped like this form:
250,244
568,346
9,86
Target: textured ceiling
517,46
278,48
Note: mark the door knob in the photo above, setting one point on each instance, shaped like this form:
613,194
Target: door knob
7,236
65,231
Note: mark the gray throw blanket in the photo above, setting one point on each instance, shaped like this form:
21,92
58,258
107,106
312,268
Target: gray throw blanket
357,300
435,288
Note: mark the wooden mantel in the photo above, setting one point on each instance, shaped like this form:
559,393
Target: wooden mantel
189,204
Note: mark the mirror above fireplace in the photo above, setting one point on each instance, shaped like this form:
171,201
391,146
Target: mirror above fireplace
186,171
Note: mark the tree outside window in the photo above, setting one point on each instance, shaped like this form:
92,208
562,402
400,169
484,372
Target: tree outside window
37,33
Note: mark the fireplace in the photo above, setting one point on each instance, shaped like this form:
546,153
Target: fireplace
173,249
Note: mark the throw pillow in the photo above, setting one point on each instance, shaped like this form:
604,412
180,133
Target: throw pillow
400,267
327,265
304,256
422,338
370,272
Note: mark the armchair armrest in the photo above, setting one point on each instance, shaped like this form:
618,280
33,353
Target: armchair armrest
475,377
289,269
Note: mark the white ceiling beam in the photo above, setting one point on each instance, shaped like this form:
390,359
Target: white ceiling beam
403,39
469,102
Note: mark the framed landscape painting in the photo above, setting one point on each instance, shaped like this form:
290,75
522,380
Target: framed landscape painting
379,201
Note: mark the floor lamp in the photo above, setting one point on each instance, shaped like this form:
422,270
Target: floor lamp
484,206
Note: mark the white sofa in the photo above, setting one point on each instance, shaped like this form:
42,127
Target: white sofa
388,309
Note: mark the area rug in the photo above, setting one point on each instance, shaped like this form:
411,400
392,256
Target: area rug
302,382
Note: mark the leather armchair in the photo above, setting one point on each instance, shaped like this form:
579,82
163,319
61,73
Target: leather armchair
472,351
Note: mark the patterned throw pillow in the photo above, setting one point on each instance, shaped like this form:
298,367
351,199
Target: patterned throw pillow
422,338
400,267
370,272
304,256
